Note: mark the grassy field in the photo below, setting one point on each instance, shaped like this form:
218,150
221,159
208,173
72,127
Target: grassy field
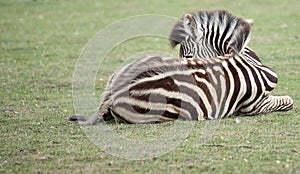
41,41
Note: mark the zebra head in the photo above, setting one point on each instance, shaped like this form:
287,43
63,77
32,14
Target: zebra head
208,34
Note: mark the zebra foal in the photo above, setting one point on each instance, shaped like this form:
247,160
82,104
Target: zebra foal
220,78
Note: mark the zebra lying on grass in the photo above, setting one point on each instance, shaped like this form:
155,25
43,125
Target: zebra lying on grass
232,81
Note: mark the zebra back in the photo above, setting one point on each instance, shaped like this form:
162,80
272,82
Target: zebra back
158,89
218,31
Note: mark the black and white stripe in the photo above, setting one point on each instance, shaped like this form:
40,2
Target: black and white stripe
158,89
222,77
210,33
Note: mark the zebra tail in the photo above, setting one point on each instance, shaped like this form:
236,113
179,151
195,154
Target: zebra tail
102,114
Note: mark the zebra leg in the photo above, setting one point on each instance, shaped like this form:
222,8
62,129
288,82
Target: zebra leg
271,103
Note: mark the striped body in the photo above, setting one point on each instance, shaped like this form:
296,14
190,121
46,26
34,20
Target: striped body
221,77
188,89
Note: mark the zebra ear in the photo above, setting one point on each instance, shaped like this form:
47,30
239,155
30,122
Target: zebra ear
240,38
190,24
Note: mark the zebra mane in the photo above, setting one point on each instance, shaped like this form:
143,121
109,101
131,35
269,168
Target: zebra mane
220,21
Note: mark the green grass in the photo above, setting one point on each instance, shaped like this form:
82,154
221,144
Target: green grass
40,43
